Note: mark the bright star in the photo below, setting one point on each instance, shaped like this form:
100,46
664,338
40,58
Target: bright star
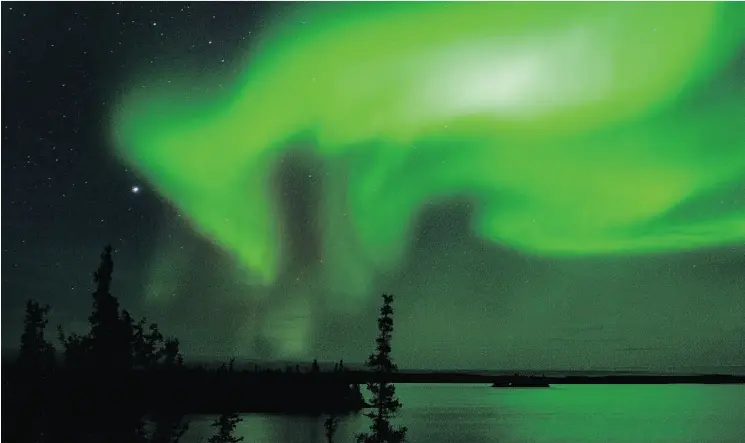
135,189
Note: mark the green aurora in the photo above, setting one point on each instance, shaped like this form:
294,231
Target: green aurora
573,129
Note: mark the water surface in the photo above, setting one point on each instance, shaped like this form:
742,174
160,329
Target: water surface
470,413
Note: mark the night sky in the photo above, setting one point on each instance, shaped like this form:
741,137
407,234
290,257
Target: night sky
612,239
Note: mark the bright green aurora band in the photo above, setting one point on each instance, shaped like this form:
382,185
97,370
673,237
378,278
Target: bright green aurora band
573,128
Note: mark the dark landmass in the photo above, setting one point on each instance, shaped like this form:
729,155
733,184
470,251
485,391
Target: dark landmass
294,390
460,377
80,405
531,382
192,391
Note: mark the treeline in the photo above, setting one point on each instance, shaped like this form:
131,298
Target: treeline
125,381
88,391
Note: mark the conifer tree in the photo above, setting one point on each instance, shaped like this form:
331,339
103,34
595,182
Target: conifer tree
27,414
109,341
384,400
75,348
116,342
36,353
226,424
108,344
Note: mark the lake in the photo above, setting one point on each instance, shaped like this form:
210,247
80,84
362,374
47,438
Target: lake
469,413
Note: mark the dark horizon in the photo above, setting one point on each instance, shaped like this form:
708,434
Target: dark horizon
241,363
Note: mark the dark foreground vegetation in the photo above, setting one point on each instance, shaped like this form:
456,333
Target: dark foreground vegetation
125,382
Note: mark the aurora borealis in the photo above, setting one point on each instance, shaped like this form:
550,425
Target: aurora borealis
572,173
575,129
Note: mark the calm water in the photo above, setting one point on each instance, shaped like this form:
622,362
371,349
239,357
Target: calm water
566,413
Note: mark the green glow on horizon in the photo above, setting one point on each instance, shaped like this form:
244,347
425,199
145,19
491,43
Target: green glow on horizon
574,128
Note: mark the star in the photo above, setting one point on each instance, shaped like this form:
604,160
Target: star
135,189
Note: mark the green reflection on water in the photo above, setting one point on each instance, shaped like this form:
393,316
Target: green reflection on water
450,413
576,413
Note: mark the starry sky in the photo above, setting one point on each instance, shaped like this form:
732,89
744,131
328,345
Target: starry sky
95,150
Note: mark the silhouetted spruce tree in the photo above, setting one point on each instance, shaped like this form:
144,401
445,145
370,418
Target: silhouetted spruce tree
383,392
148,347
150,351
75,348
227,421
115,342
109,341
28,394
136,339
225,425
36,353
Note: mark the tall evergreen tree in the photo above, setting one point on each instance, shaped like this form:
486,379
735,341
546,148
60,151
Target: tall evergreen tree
384,400
75,348
27,413
148,347
226,424
109,341
36,353
116,342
